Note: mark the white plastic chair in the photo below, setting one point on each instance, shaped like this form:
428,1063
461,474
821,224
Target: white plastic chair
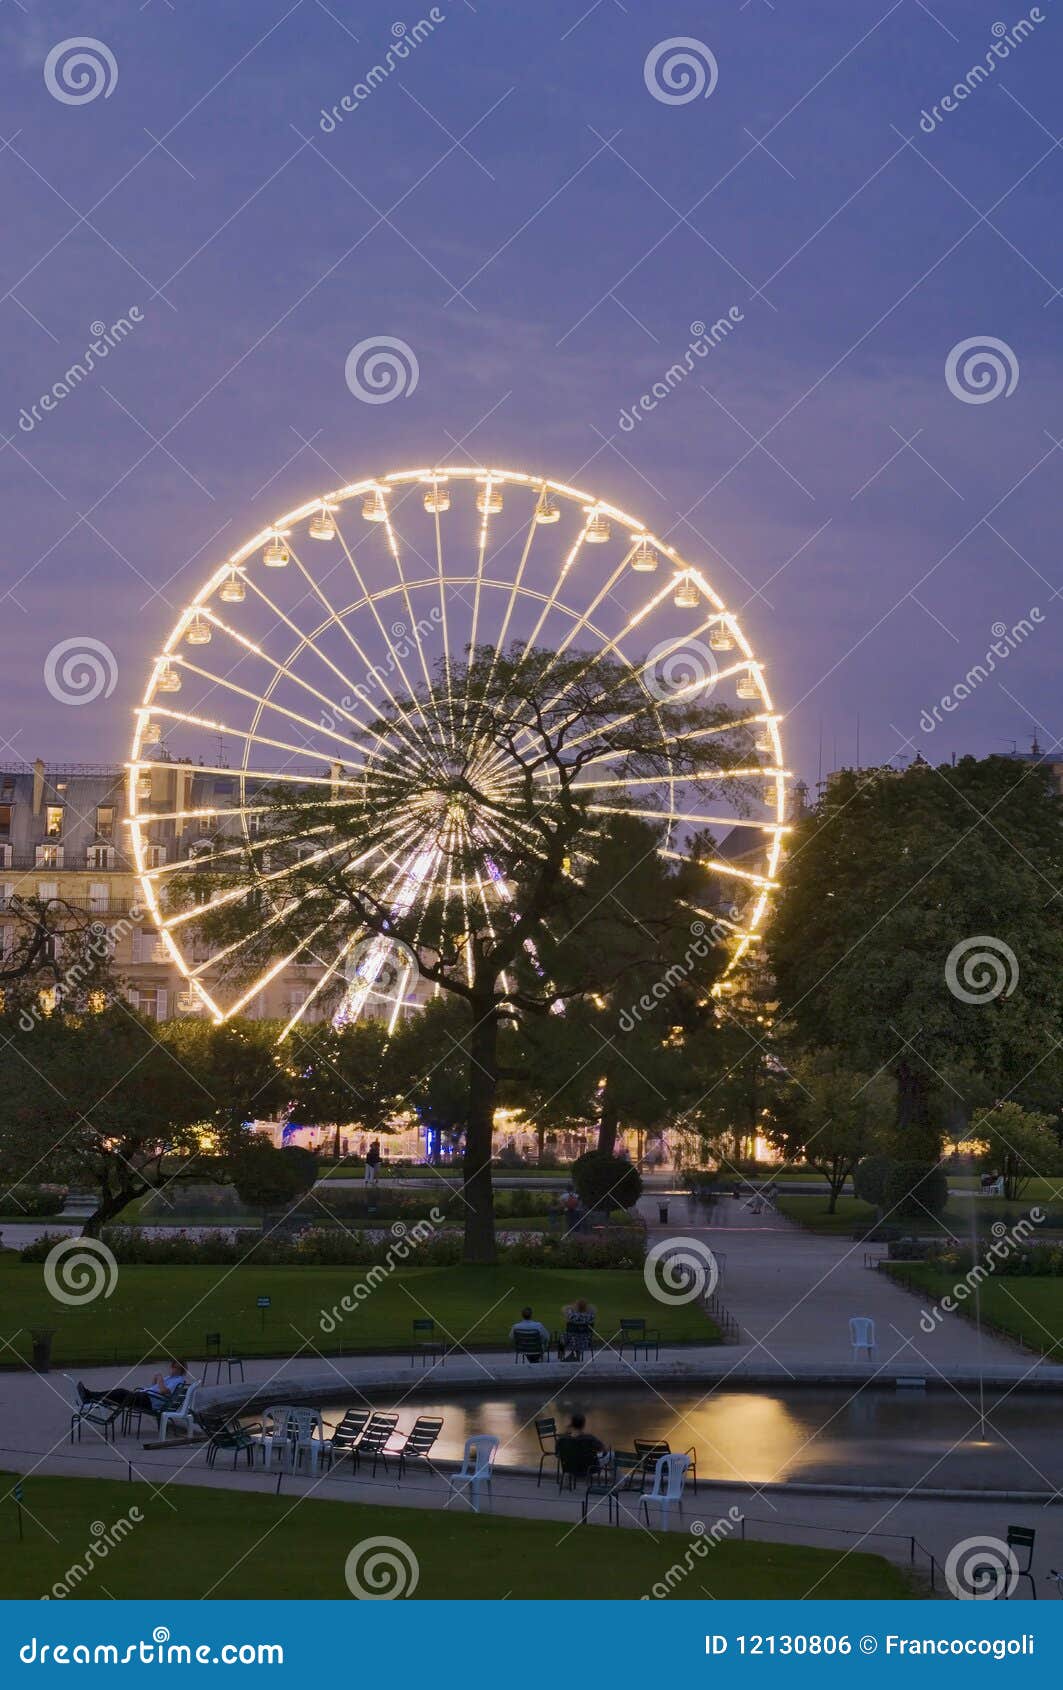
306,1429
180,1417
275,1438
862,1336
669,1477
476,1467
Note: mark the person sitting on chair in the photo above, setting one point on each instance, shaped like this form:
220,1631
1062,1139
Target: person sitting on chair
528,1324
579,1327
579,1452
148,1397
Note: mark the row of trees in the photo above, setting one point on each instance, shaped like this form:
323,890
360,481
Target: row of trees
917,954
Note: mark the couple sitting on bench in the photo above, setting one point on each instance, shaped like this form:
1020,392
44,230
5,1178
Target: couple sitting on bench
531,1339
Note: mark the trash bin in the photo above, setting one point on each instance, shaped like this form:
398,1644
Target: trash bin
662,1211
42,1349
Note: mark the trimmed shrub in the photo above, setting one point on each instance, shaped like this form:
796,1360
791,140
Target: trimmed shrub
31,1200
914,1189
606,1181
869,1179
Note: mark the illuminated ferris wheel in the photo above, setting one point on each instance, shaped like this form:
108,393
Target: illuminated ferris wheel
341,612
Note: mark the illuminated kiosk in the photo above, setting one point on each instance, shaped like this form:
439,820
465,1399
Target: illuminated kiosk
349,605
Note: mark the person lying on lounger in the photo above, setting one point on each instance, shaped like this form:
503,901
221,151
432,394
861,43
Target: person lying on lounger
148,1397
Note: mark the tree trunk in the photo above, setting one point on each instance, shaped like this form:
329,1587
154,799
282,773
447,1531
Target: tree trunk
608,1125
477,1188
916,1139
111,1204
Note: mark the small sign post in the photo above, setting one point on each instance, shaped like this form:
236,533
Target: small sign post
263,1304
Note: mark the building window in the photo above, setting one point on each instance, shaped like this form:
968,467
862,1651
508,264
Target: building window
100,856
49,856
151,1001
99,897
7,892
5,821
7,939
47,890
53,824
154,856
105,821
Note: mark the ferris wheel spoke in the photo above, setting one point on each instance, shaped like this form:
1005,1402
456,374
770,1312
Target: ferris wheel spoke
226,729
271,704
290,675
716,865
370,601
314,991
335,619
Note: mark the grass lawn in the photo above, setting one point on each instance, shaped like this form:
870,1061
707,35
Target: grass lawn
224,1544
168,1310
810,1211
1031,1309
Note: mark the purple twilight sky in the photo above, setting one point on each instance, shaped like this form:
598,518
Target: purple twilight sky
516,201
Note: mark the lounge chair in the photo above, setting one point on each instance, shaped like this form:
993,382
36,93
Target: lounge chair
103,1417
419,1441
345,1436
373,1440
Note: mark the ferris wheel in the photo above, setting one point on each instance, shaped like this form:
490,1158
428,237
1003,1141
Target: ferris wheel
343,610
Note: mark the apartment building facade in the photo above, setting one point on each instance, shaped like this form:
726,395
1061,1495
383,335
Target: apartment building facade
63,835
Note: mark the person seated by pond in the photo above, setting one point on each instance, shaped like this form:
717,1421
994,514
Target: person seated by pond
525,1327
579,1327
173,1377
579,1452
